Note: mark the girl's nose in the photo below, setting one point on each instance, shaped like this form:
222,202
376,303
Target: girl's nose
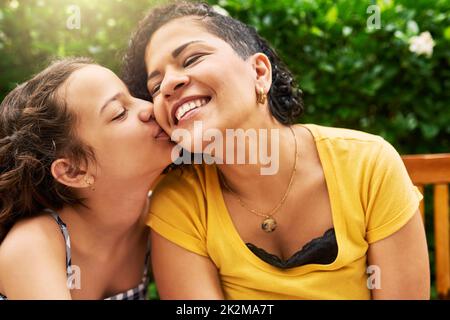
146,111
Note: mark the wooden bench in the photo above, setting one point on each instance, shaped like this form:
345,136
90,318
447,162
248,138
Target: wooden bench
434,169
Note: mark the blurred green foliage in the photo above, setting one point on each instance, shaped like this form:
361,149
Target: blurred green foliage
352,74
359,77
33,32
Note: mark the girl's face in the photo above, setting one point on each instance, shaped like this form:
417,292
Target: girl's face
121,129
195,76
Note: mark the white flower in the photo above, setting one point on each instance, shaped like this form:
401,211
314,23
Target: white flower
218,9
422,44
94,49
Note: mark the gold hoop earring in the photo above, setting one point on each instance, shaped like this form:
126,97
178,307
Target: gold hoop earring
261,96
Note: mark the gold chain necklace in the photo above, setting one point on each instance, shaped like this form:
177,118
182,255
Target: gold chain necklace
269,224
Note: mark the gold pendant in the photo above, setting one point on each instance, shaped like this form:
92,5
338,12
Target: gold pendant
269,225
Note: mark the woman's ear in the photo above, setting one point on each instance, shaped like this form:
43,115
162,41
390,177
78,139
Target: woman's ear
67,174
263,69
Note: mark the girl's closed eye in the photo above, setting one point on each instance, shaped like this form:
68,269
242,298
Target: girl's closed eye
121,115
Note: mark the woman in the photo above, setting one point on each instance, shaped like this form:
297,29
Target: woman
78,155
338,220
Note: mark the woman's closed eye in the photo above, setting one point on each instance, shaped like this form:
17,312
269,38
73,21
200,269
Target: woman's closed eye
155,89
122,115
192,59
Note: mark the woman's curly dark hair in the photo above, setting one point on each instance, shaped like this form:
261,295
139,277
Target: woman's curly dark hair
36,128
285,98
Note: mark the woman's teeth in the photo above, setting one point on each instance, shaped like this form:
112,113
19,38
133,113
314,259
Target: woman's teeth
188,106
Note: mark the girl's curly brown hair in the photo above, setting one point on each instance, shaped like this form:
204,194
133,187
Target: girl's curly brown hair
36,128
285,99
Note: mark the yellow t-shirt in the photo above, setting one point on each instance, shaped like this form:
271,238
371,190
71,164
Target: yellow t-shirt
371,198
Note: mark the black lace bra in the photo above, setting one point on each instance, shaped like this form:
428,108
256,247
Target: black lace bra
321,250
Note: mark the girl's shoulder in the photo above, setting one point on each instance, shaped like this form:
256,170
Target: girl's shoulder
39,229
31,244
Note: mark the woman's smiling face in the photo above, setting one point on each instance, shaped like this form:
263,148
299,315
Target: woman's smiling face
195,76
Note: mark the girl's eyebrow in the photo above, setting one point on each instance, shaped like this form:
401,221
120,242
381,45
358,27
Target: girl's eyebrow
117,96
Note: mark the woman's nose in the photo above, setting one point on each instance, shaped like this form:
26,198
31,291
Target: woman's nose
173,82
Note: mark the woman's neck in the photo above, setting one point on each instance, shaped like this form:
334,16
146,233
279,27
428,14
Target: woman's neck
251,183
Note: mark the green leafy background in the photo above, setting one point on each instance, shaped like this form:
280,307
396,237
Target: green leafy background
352,75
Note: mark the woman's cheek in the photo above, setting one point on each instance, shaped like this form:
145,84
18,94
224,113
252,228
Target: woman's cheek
162,117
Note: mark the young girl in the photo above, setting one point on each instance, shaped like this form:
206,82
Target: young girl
339,208
78,156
